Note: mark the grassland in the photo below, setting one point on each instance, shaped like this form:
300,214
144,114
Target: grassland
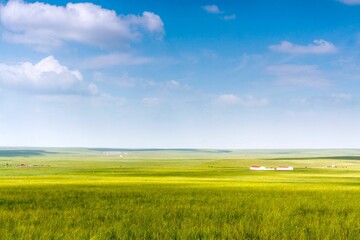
178,194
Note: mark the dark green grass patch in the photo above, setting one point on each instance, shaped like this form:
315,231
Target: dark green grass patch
176,212
23,153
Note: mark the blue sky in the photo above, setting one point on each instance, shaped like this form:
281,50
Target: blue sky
199,74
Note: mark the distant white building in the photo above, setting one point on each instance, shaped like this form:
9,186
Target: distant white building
284,168
280,168
257,168
260,168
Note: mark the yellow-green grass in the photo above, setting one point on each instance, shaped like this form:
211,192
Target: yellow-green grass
173,194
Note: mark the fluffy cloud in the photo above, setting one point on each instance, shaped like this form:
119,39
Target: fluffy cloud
213,9
46,26
318,47
46,77
298,75
247,101
350,2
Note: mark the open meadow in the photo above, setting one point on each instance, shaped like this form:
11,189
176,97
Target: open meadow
178,194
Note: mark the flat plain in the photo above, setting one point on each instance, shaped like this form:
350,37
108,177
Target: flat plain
58,193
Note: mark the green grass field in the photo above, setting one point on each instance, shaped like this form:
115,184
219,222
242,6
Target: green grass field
178,194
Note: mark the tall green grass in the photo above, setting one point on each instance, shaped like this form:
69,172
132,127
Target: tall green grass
177,212
82,194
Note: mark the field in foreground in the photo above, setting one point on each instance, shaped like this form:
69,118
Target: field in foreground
178,194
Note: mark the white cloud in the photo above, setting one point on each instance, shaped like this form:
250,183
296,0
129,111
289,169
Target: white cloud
151,101
298,75
46,76
350,2
93,89
229,17
168,85
47,26
172,84
213,9
317,47
115,59
247,101
229,99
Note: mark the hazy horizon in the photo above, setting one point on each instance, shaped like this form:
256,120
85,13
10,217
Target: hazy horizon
170,149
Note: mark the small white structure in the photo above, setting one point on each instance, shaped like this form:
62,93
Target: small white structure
261,168
280,168
284,168
257,168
